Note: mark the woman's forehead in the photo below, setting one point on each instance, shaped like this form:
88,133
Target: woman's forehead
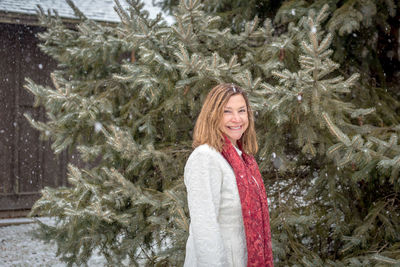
236,101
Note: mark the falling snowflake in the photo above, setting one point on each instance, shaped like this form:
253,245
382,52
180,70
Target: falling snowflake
97,127
313,30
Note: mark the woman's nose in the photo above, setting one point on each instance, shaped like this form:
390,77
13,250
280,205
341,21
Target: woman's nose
236,117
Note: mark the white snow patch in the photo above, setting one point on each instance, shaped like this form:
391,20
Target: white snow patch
19,248
102,10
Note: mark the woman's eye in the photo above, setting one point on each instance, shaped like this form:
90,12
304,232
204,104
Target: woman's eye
242,110
227,111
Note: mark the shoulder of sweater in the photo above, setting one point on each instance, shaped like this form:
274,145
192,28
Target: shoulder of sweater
205,157
205,149
205,153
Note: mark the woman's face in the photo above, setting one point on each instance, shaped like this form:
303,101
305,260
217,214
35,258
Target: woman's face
235,119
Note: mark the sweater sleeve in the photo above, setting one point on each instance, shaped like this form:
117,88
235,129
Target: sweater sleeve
203,179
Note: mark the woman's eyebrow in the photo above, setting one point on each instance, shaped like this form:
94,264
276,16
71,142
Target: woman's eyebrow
237,108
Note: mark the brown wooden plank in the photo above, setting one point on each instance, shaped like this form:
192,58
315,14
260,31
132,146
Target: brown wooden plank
12,214
7,107
18,202
31,60
29,175
27,163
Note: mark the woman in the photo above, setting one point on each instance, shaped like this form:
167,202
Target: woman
226,195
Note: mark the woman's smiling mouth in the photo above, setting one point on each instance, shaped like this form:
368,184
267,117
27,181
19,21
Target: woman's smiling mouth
234,127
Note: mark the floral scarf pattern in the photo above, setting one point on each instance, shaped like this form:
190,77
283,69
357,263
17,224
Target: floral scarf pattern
254,203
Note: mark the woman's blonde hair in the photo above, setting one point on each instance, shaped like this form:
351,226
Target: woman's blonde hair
208,125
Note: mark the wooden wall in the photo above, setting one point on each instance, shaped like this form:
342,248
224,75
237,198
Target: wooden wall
26,163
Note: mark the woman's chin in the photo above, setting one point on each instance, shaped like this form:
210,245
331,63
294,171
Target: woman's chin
234,138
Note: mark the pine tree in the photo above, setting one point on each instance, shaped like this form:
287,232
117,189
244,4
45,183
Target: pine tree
366,40
338,213
126,97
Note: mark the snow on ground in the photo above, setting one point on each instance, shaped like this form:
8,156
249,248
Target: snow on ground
19,249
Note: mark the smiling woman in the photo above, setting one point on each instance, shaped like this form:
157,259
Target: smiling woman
222,106
235,120
226,196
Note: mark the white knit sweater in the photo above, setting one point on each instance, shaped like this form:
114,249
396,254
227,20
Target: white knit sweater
216,232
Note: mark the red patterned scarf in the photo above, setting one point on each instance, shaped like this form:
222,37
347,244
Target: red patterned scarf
254,206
